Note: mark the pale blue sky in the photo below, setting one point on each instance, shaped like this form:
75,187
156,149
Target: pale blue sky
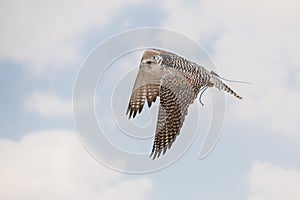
43,45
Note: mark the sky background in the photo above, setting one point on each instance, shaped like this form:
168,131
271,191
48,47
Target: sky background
43,44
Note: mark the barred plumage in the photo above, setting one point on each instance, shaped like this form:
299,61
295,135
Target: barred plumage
177,81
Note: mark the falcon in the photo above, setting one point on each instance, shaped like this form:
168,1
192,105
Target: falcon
177,82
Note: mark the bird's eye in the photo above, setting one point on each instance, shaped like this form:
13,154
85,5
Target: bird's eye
149,62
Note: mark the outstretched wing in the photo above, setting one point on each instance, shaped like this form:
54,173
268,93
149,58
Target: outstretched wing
176,94
146,86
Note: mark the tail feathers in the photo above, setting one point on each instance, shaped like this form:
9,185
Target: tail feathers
222,86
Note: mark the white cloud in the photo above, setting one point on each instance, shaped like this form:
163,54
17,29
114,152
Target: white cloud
267,181
277,110
46,34
191,18
255,41
48,105
54,165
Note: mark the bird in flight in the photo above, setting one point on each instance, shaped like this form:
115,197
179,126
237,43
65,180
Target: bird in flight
177,82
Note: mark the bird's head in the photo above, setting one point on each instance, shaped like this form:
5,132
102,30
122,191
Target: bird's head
151,58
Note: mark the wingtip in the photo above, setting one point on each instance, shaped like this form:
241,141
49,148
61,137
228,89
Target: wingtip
155,153
149,103
134,113
152,152
238,96
129,112
128,108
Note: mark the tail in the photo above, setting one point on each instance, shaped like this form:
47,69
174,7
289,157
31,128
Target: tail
215,81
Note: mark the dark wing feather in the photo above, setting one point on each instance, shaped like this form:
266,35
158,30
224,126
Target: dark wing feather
146,86
176,94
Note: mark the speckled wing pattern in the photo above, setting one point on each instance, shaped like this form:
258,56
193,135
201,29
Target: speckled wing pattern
176,81
146,87
176,94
